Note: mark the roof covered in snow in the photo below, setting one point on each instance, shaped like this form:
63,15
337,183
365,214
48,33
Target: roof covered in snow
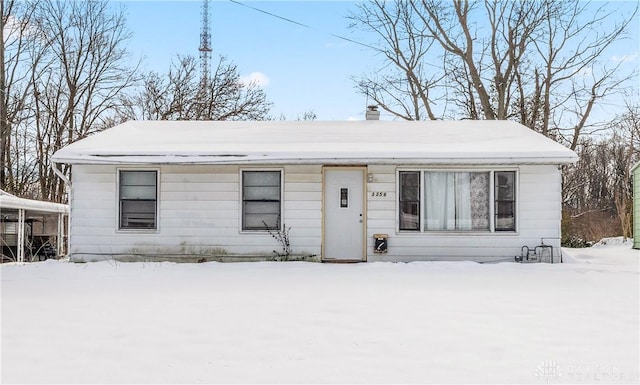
327,142
9,201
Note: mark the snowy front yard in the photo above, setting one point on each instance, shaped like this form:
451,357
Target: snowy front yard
299,322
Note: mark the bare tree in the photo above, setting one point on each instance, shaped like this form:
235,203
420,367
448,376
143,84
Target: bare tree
626,132
539,62
445,37
21,48
588,206
490,58
63,67
405,89
179,95
598,190
307,116
573,76
78,83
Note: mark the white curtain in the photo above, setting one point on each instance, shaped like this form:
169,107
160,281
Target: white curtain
448,201
463,201
440,201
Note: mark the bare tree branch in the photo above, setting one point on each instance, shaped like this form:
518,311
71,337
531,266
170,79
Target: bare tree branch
179,95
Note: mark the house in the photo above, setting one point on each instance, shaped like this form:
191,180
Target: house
635,171
348,190
31,230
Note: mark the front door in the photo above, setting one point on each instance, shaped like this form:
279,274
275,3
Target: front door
343,209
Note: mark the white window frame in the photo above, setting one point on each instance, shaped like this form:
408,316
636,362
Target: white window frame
120,229
241,200
490,231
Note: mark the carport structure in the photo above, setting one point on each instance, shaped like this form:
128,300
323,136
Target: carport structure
31,230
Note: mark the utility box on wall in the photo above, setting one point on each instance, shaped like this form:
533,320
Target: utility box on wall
380,243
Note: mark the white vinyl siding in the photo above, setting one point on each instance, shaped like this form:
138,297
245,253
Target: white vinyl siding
538,205
199,213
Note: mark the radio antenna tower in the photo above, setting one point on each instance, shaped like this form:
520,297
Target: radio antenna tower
205,45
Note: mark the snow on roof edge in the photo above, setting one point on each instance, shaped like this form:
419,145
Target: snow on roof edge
212,160
202,142
10,201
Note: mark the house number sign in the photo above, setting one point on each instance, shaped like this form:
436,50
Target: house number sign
378,194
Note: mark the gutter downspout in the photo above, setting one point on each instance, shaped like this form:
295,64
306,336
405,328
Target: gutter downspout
67,184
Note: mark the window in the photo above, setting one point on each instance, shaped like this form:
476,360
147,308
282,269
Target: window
138,198
456,201
409,200
505,204
261,200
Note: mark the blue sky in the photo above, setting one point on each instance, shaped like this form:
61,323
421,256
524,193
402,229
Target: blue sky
301,68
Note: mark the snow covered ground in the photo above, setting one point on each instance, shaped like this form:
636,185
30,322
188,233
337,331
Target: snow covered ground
428,322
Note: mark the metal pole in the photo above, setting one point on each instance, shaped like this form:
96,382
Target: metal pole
60,238
20,235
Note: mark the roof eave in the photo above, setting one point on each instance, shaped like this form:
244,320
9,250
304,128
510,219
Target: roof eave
34,206
205,160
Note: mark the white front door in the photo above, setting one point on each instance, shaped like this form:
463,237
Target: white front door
344,220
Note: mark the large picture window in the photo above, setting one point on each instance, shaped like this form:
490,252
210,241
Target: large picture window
456,201
261,200
138,199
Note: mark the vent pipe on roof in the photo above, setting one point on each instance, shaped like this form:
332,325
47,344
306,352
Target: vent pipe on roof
372,112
